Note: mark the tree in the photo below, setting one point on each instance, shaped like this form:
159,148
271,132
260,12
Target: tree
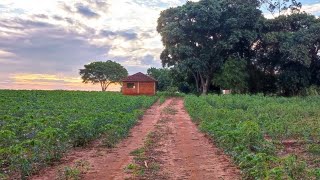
294,78
199,36
312,39
188,33
184,80
162,75
282,54
287,54
104,73
173,78
233,76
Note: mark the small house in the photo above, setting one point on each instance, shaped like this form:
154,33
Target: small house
139,84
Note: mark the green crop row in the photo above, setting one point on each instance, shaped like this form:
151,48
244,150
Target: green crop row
37,127
251,128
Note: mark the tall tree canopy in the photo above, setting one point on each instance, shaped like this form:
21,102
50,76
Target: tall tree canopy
104,73
281,54
288,51
199,36
233,75
162,76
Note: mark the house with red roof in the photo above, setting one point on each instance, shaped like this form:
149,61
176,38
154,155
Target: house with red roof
139,84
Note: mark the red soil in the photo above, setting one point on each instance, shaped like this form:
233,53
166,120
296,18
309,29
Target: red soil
187,153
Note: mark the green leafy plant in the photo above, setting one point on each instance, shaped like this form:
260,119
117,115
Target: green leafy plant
255,129
37,127
69,173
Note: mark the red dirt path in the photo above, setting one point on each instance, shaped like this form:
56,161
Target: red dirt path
188,154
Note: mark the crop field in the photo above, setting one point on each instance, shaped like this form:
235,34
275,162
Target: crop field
268,137
37,127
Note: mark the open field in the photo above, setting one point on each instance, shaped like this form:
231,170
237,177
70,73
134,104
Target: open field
37,127
268,137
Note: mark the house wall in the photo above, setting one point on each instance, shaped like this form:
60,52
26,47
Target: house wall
226,91
140,88
147,88
129,91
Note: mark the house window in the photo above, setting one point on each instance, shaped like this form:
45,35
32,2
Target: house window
130,85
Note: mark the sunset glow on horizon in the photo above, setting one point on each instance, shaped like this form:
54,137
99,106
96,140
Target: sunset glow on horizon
43,45
53,82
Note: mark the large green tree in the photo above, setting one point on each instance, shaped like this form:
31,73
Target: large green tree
287,54
233,76
199,36
162,75
188,33
312,41
281,54
104,73
173,78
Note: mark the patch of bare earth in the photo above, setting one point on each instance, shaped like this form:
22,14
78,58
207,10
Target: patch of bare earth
308,152
303,150
108,163
182,152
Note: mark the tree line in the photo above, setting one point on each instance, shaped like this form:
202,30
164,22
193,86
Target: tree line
229,44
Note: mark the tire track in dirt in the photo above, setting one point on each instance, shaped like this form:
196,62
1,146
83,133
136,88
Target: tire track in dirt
107,163
185,153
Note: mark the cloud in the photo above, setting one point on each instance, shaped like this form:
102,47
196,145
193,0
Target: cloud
5,57
127,34
160,3
6,54
41,16
58,18
14,26
99,4
86,11
86,8
66,8
48,50
312,8
56,38
63,19
147,59
150,60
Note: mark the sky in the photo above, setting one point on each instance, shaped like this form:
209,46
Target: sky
43,44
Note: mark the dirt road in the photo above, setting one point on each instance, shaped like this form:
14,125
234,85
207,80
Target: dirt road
185,152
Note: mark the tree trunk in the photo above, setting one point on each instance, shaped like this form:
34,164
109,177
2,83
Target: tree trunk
204,84
103,86
205,87
196,78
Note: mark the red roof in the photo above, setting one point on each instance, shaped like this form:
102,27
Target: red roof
139,77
